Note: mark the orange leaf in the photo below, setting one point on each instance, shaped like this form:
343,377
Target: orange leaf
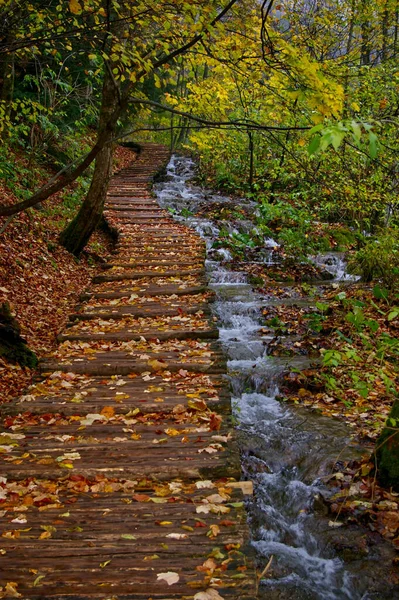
108,411
141,497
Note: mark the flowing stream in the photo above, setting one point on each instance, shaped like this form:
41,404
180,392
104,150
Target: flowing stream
286,451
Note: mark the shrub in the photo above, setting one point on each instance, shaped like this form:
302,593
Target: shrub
378,259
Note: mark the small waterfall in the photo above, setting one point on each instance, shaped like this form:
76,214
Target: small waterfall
335,264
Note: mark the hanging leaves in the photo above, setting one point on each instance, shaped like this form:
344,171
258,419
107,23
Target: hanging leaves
75,7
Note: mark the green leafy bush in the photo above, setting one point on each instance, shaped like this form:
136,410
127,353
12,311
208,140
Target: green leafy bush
378,259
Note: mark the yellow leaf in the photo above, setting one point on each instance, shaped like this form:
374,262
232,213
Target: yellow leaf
11,591
104,564
172,432
38,579
213,531
157,365
75,7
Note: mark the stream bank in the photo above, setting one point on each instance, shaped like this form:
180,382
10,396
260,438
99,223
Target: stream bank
288,451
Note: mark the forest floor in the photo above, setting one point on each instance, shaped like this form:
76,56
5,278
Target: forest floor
38,278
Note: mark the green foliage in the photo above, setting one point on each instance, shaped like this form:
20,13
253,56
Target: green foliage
237,242
379,259
335,134
18,175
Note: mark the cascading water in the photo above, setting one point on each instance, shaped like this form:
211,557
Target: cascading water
334,263
285,451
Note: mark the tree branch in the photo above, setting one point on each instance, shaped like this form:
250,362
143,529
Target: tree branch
243,123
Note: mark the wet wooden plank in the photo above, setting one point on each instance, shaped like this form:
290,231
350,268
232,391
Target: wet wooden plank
148,273
70,392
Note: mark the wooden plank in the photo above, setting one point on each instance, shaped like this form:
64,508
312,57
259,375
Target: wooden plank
148,273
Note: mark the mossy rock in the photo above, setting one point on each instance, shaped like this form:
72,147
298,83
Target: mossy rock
255,280
345,238
12,346
132,145
387,454
323,244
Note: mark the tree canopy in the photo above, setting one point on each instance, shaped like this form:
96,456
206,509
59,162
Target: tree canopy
260,90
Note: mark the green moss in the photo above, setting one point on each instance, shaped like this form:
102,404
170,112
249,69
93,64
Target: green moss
323,244
345,238
255,280
18,353
387,453
12,345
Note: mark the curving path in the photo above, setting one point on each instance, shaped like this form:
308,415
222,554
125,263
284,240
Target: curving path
119,473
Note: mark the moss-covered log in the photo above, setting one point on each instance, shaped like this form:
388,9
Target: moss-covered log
387,453
12,346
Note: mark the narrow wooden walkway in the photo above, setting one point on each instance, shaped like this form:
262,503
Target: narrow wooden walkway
120,477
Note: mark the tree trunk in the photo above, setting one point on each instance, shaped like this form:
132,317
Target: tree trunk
251,160
365,50
384,31
76,235
7,76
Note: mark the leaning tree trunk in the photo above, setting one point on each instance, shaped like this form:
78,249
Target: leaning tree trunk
76,235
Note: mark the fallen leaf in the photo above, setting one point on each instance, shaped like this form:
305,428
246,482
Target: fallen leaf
201,485
89,419
335,524
38,579
11,590
104,564
170,577
108,412
214,531
157,365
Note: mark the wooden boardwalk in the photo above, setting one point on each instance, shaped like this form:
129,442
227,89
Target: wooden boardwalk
120,477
